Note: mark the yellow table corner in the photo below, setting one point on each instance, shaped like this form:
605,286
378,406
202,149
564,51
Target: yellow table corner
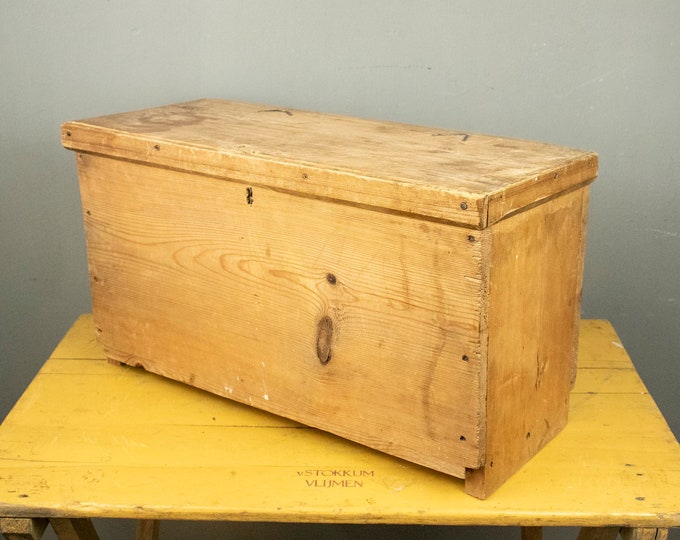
89,439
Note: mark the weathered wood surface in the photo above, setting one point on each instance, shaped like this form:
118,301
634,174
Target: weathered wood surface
467,178
192,282
396,285
534,302
249,294
362,277
22,528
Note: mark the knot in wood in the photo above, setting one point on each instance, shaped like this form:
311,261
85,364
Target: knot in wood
324,336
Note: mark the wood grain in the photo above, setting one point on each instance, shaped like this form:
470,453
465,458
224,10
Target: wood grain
413,289
466,178
534,299
193,282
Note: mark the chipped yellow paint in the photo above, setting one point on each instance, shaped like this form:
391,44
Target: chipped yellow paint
90,439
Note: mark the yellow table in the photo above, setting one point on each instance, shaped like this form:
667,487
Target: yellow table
90,439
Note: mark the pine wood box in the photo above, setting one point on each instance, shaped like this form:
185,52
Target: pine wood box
416,290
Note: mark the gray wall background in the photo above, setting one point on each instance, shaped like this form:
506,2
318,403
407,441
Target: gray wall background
601,76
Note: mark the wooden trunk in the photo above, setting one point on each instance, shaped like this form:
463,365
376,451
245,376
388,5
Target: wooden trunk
415,290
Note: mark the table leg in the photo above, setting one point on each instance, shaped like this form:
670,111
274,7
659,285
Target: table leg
598,533
532,533
148,529
639,533
74,529
627,533
22,528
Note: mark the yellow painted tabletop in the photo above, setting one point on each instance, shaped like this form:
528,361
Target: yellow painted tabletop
91,439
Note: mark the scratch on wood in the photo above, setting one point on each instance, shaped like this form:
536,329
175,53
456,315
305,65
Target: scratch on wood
278,110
